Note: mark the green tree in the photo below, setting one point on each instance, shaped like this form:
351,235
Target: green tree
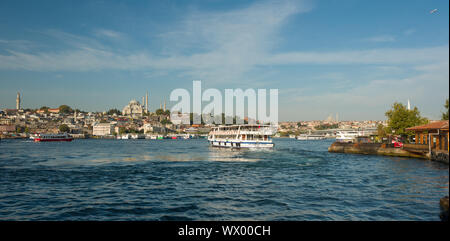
400,118
122,130
167,112
165,121
45,109
113,111
381,131
65,109
64,128
20,129
445,114
159,112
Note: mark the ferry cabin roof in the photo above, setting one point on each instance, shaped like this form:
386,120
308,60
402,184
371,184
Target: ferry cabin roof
235,127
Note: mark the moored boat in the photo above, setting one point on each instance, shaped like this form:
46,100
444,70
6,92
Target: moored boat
308,137
348,136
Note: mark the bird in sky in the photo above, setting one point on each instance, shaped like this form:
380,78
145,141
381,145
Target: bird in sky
433,11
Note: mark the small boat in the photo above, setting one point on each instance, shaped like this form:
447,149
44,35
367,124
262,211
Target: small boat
308,137
348,136
137,136
51,137
242,136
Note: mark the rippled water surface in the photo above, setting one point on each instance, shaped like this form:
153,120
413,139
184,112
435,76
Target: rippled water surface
188,180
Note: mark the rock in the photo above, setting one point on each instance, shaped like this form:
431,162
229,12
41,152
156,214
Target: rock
444,208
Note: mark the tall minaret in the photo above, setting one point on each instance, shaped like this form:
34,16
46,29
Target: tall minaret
160,105
146,102
164,104
409,105
18,101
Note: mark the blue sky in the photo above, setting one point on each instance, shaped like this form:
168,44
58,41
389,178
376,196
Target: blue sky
349,57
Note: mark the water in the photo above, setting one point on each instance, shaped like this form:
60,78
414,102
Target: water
188,180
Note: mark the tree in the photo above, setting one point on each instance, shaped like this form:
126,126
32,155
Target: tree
122,130
45,109
159,112
165,121
65,109
64,128
167,112
400,118
445,114
20,129
381,131
113,111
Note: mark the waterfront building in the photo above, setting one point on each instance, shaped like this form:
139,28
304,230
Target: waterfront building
149,128
7,128
432,137
102,129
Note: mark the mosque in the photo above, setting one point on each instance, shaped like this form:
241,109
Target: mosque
136,109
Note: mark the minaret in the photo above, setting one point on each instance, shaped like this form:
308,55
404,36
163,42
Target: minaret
409,105
160,105
146,102
18,101
164,104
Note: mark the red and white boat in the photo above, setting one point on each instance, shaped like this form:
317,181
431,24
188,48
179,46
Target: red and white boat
51,137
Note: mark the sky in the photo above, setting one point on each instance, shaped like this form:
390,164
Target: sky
326,57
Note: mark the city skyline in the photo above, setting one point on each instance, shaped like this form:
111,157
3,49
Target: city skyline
350,58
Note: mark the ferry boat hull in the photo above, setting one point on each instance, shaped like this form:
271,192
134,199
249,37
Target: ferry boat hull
310,138
49,140
236,144
51,137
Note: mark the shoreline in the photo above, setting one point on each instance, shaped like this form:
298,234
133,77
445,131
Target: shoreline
385,150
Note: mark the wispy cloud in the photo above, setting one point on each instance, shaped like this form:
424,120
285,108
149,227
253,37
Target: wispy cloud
376,95
380,39
18,44
409,31
372,56
108,33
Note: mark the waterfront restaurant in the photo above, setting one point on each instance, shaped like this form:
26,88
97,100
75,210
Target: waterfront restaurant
433,135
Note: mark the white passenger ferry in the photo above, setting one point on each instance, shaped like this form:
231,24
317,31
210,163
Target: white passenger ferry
308,137
348,136
242,136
